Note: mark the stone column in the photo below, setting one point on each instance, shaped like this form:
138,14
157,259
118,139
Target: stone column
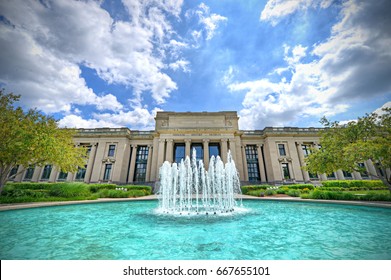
260,164
224,150
206,153
245,170
149,164
132,163
371,169
299,149
340,175
170,150
187,147
53,174
90,163
154,168
160,158
37,174
232,148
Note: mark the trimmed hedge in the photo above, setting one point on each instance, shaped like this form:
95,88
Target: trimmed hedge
333,195
358,184
248,189
33,192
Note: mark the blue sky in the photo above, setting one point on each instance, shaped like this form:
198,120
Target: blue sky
115,63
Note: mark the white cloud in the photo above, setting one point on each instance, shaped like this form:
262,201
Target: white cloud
44,44
210,22
275,10
380,111
350,66
139,118
180,64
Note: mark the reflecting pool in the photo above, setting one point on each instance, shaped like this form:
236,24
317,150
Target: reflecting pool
266,230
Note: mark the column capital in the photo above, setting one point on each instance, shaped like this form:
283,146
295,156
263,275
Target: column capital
205,140
170,140
150,146
224,140
299,143
187,140
134,145
259,145
162,140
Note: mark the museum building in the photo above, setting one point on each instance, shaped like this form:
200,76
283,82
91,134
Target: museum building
274,155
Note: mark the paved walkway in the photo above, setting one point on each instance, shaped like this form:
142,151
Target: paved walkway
13,206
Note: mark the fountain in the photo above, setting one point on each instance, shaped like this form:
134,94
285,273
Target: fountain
187,188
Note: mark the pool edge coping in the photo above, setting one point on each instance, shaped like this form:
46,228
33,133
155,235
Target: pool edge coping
16,206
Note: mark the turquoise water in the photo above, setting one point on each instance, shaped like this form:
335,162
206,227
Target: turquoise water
132,230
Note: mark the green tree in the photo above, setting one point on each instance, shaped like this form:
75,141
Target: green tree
344,146
31,138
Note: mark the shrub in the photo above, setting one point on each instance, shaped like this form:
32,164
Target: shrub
247,189
96,187
294,193
301,187
260,192
270,192
355,184
69,190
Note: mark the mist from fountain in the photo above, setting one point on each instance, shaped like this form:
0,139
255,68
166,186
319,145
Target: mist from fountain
187,188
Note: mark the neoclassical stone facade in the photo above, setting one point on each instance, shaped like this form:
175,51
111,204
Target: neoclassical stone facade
274,155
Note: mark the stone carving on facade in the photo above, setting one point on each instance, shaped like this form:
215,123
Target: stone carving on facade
285,159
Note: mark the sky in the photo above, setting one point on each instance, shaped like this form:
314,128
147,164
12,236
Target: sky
113,63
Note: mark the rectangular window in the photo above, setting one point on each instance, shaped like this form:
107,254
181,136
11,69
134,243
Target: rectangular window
179,152
285,171
46,172
111,151
214,150
13,172
281,149
81,173
252,163
306,150
62,176
107,174
347,174
199,151
140,171
29,173
363,170
313,175
379,169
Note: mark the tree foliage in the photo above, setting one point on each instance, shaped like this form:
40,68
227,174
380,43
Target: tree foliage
344,146
31,138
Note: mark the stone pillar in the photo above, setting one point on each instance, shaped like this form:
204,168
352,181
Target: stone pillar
53,174
154,168
170,150
299,149
232,148
245,170
356,175
37,174
90,163
371,169
261,164
206,153
132,164
160,158
149,164
187,147
224,150
340,175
